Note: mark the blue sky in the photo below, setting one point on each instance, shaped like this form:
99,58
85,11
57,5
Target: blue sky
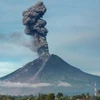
74,33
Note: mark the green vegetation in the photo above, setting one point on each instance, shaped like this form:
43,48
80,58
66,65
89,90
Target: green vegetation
50,96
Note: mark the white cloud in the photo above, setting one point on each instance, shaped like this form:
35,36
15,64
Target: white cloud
34,85
18,84
64,84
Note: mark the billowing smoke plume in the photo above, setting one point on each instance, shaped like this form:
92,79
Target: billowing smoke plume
35,26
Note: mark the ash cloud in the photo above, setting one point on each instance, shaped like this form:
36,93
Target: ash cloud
35,27
13,37
16,42
16,39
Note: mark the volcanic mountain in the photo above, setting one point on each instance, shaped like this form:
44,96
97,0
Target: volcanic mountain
51,75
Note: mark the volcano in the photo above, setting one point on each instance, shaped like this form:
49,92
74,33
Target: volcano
50,75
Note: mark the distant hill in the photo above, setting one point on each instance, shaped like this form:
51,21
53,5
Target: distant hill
54,75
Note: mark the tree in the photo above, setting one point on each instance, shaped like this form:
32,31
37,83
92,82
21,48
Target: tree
59,96
50,96
97,98
83,96
66,98
32,98
11,98
87,96
41,97
3,97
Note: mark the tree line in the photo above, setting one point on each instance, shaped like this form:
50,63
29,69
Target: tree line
50,96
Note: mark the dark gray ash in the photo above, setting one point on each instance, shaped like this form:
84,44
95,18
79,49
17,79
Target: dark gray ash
35,26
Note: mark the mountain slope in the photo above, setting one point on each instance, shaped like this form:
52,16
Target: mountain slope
25,73
56,72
